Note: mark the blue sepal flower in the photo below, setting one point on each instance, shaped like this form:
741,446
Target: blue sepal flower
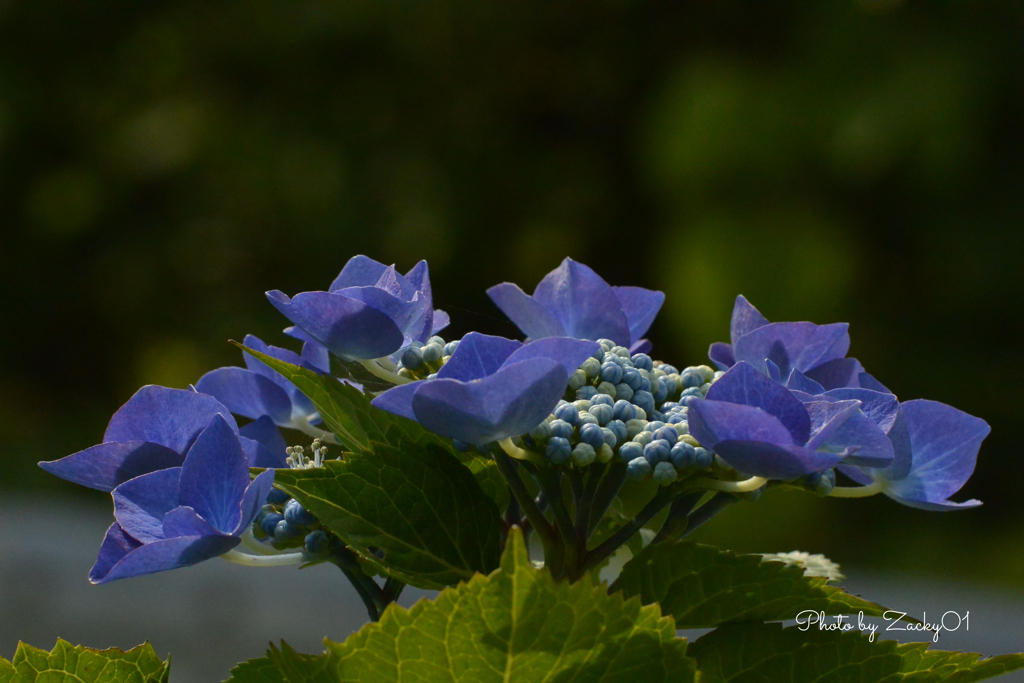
152,431
818,351
491,387
369,311
936,449
761,428
179,516
257,390
574,301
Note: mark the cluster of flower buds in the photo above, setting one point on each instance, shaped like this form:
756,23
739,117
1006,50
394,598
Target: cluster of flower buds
630,407
422,361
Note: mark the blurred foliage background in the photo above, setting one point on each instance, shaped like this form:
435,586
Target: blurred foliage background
162,164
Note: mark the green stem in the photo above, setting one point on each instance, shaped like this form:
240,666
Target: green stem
585,507
596,556
606,492
551,483
705,512
540,524
678,518
369,592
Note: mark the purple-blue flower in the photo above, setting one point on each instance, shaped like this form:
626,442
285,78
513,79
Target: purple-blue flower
369,311
818,351
491,388
936,448
761,428
153,431
574,301
179,516
260,391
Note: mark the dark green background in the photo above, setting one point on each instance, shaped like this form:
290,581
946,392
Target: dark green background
162,164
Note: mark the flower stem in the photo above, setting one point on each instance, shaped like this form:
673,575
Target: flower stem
540,524
744,486
519,453
246,560
678,518
551,483
303,425
857,491
385,375
608,488
596,556
705,512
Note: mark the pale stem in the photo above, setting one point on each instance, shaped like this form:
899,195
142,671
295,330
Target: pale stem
243,559
250,542
745,486
303,425
857,491
518,453
385,375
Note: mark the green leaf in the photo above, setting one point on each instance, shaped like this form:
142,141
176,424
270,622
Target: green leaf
347,413
414,501
518,625
69,662
767,652
702,586
261,670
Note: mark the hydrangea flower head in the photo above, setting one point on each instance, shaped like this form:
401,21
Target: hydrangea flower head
761,428
369,311
818,351
491,388
574,301
179,516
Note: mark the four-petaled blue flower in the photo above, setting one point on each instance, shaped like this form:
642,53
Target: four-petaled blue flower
573,301
776,349
369,311
153,431
260,391
179,516
936,448
761,428
491,388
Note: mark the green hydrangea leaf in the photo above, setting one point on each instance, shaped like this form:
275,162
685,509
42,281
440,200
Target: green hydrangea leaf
702,587
347,413
515,625
76,664
261,670
768,652
414,501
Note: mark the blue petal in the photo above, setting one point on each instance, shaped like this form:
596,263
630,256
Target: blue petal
253,499
263,444
184,521
568,352
640,346
745,319
403,312
585,305
319,362
419,277
775,462
798,381
108,465
398,400
360,271
535,321
351,329
141,503
512,401
827,417
793,345
116,544
477,355
773,371
641,307
721,354
938,506
944,442
837,373
745,385
315,357
159,556
214,476
882,408
712,422
248,394
441,321
860,432
169,417
866,381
